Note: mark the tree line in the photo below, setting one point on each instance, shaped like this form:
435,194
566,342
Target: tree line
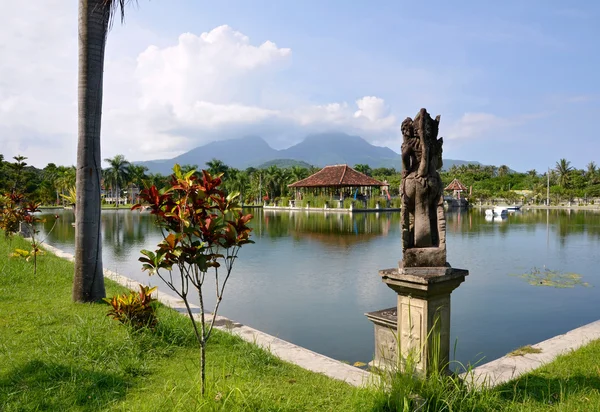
55,184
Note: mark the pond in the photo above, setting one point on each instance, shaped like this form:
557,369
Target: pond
310,277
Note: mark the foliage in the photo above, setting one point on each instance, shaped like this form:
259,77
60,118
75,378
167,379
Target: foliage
17,214
525,350
22,253
553,278
487,183
134,308
203,231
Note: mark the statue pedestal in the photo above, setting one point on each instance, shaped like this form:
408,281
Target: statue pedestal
423,316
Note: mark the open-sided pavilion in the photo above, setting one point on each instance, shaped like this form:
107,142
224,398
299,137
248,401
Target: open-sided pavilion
340,181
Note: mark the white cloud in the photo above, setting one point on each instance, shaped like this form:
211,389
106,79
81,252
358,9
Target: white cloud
160,99
476,125
38,82
211,86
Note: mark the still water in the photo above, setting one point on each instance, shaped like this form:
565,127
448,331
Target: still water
310,277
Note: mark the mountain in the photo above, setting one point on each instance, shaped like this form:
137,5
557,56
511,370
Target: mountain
284,164
239,153
317,149
339,148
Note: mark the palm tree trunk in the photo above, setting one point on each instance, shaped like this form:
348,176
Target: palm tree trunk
88,283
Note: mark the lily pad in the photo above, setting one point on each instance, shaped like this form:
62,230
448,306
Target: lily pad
553,278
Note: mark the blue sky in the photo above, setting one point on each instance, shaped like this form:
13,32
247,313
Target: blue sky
516,83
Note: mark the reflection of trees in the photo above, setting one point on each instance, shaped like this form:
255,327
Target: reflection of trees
121,230
564,222
63,230
124,229
333,228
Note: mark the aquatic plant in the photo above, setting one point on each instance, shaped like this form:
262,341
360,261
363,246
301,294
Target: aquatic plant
553,278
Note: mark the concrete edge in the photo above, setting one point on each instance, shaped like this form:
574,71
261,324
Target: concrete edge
507,368
284,350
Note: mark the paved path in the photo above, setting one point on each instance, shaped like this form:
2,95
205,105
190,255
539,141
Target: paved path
508,367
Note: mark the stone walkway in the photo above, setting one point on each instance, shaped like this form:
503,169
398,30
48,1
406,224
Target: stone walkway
508,367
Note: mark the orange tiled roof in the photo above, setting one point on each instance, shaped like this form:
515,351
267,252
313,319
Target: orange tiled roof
337,176
456,185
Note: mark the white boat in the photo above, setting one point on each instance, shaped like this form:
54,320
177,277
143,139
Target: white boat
497,211
492,218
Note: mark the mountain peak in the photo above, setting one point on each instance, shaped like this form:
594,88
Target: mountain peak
319,149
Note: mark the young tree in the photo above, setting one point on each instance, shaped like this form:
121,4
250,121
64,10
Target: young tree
203,232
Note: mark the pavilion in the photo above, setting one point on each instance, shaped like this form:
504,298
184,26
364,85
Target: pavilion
339,180
456,187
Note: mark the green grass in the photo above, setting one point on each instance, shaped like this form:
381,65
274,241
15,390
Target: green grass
570,383
57,355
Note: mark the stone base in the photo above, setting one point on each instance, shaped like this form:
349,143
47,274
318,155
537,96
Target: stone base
386,338
424,257
423,313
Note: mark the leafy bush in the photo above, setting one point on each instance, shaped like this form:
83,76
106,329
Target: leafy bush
134,309
203,230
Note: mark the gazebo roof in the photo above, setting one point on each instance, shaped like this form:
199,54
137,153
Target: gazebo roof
337,176
456,185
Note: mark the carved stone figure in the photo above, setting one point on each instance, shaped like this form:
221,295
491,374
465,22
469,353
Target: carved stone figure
423,219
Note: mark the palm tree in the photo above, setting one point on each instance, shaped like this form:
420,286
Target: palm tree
137,175
117,174
592,171
503,170
65,179
95,17
298,173
563,168
216,167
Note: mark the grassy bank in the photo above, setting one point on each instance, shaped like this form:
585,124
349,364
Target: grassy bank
58,355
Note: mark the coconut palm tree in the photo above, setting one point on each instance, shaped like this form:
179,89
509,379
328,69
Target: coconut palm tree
216,167
563,169
117,174
95,17
592,172
503,170
298,173
137,175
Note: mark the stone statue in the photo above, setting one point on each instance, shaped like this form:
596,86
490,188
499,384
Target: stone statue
422,216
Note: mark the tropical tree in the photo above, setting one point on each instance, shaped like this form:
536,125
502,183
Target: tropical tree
503,170
95,17
592,173
563,169
216,167
136,175
297,173
117,174
363,168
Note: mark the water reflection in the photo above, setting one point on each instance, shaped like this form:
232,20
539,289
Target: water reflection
328,228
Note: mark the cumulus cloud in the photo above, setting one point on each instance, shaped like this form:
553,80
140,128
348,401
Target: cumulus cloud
212,86
159,100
